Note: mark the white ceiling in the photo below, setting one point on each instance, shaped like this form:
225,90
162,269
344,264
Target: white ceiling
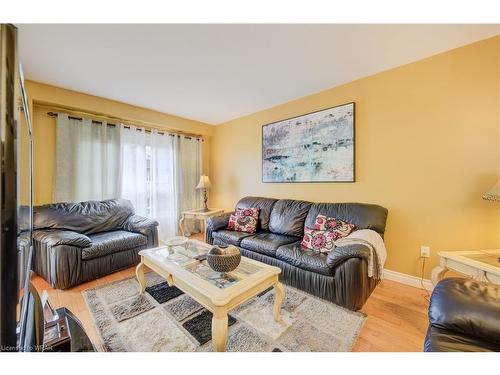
215,73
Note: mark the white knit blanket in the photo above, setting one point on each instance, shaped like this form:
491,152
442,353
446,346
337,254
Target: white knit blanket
374,242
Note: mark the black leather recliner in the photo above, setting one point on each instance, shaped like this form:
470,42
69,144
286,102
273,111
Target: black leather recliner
78,242
464,316
341,276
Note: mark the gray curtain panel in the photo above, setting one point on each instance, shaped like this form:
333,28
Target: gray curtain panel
87,161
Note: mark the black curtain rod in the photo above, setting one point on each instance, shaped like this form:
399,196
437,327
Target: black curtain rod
54,114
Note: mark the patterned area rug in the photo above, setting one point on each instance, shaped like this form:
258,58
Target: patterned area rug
166,319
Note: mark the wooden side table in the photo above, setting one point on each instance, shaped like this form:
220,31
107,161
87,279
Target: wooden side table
199,215
481,265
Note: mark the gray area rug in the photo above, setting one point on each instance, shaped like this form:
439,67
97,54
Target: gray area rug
165,319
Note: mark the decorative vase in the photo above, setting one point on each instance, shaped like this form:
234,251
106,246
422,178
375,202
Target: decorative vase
222,259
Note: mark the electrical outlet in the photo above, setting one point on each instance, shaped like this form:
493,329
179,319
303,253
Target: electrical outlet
425,251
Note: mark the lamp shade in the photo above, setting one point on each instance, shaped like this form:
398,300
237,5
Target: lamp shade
204,183
494,193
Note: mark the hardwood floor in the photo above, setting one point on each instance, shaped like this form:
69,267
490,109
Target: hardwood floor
397,319
397,313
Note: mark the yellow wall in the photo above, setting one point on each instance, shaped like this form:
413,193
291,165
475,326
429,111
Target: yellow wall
44,131
427,147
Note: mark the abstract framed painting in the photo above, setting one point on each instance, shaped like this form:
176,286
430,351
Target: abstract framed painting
315,147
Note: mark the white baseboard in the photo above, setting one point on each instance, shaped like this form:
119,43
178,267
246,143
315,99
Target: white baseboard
406,279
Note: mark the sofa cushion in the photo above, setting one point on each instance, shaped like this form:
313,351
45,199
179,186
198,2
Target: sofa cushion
304,258
288,216
364,216
112,242
341,228
265,205
319,240
230,237
84,217
244,220
267,243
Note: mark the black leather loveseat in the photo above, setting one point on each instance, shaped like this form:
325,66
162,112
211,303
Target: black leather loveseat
341,276
78,242
464,316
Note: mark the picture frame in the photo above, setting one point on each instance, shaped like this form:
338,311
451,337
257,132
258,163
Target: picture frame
316,147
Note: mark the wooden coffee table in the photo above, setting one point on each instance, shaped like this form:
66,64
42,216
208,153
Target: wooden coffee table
217,293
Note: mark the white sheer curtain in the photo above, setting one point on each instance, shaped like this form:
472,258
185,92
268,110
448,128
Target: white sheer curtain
159,174
163,203
87,161
133,178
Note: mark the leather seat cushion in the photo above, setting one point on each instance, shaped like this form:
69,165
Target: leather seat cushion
267,243
304,258
231,237
106,243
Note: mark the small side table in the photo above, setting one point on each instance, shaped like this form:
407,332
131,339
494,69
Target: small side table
199,215
480,265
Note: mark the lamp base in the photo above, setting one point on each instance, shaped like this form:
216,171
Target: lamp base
205,201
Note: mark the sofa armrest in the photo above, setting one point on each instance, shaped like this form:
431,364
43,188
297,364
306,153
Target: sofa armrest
466,306
342,253
219,222
57,256
144,226
56,237
139,224
216,223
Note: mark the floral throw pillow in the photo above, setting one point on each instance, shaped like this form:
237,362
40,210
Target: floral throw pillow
319,240
340,227
244,220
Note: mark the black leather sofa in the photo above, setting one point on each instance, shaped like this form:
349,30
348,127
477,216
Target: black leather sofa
78,242
464,316
341,276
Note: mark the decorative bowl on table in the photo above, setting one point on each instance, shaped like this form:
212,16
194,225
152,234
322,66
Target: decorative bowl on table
223,259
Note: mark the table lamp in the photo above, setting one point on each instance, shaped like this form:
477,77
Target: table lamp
494,193
204,185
